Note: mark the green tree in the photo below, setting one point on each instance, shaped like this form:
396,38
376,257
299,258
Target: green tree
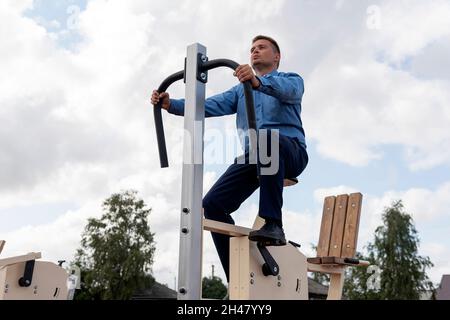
361,283
117,250
213,288
395,251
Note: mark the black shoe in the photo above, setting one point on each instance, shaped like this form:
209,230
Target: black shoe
271,234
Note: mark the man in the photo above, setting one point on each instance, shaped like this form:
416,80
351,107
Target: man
278,99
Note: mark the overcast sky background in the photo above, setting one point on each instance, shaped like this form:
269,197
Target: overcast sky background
77,125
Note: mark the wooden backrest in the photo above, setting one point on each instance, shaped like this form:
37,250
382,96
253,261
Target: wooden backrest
2,244
340,226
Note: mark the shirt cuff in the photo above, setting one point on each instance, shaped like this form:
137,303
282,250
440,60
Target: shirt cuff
264,85
176,107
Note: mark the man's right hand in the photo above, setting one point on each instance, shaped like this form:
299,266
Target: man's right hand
156,97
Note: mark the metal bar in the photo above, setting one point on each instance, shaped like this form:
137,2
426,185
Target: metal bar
158,118
27,278
270,267
209,65
249,103
191,229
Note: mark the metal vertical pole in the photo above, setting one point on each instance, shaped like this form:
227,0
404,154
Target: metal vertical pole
191,229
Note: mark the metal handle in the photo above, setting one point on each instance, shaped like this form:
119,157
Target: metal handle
158,118
209,65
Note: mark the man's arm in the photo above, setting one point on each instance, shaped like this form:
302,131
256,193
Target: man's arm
215,106
288,89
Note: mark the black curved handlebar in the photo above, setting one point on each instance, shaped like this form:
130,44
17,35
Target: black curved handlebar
209,65
158,119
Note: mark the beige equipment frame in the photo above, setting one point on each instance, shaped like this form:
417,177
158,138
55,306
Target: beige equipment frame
24,278
335,252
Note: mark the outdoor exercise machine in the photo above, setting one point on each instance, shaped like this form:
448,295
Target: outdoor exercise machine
256,271
24,278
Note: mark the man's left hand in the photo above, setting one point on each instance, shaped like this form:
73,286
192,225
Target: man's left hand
244,73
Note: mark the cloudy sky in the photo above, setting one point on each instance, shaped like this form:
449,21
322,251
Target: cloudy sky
77,125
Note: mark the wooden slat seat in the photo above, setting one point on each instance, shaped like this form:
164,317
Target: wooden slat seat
338,240
335,261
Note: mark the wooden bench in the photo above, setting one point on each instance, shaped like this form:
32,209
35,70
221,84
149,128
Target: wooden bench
338,240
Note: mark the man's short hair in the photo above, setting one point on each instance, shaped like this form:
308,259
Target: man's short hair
275,45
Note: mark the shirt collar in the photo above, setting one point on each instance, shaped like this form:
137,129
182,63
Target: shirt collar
273,73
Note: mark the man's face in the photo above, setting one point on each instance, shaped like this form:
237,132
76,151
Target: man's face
263,54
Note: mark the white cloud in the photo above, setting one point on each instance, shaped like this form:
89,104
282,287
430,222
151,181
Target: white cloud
77,125
438,254
424,205
320,194
16,6
424,63
53,24
408,26
368,105
56,240
358,99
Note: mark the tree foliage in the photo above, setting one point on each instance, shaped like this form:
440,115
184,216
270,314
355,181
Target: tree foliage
213,288
402,271
117,250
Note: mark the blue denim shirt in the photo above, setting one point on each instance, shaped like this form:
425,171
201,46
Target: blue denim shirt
278,105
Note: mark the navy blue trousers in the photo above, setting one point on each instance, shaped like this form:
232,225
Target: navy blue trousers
240,181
